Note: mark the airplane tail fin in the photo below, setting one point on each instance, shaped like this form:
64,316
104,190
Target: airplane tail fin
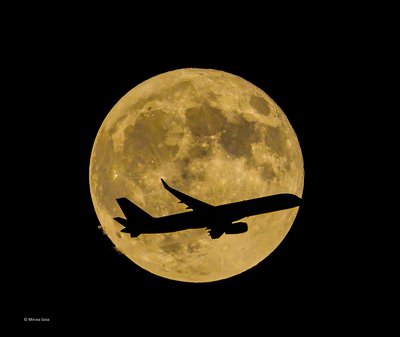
135,217
133,212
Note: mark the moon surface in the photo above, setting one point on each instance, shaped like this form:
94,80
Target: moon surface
212,135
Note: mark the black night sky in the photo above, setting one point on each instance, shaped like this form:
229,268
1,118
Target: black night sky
68,270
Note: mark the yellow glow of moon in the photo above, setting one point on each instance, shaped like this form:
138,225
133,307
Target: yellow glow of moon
209,134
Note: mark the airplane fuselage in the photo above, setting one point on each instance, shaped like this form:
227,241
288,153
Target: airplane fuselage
222,214
217,219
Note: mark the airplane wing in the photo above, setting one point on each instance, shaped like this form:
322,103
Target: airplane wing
191,202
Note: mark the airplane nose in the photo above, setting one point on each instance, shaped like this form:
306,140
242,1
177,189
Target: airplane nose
292,200
297,201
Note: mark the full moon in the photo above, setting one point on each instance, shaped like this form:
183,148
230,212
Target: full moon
212,135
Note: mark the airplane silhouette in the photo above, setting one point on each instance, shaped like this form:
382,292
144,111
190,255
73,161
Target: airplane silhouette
216,219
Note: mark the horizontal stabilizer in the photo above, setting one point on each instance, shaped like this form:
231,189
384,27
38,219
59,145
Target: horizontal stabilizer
133,230
121,221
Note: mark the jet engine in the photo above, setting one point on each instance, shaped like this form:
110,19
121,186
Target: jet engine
236,228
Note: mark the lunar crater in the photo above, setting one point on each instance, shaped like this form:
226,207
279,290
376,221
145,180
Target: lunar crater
260,105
